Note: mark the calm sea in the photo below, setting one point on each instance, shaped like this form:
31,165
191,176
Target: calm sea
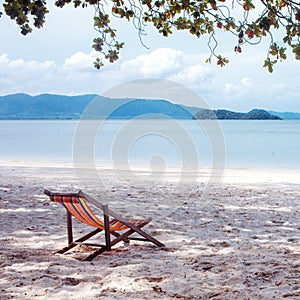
240,144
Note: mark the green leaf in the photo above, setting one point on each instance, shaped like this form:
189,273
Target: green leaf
282,54
98,63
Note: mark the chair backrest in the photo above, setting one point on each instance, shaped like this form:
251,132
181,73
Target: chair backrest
78,207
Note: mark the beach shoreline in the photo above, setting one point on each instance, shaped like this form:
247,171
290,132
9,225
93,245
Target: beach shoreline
239,239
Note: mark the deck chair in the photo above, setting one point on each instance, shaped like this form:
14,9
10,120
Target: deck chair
76,206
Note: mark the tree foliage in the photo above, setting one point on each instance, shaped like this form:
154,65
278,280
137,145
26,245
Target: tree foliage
249,21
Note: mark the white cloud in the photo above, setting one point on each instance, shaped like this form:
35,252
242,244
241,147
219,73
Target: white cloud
193,75
239,89
235,90
4,59
24,67
169,64
246,81
229,87
80,61
160,62
17,75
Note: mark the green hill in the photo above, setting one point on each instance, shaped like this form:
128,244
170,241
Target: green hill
53,107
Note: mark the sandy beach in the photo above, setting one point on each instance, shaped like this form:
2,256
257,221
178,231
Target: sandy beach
240,239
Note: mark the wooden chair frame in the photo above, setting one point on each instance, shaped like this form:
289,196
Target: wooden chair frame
107,213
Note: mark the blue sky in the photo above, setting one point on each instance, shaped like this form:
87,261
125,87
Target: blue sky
58,59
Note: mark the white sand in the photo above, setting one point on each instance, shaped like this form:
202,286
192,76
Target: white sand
237,240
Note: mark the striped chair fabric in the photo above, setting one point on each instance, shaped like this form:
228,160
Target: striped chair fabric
80,210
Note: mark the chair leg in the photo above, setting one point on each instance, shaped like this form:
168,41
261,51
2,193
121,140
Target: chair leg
106,227
69,228
147,236
121,237
80,240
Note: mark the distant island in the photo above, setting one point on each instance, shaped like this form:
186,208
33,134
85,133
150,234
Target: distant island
221,114
60,107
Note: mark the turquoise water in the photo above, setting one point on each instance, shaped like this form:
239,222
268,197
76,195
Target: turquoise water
248,144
